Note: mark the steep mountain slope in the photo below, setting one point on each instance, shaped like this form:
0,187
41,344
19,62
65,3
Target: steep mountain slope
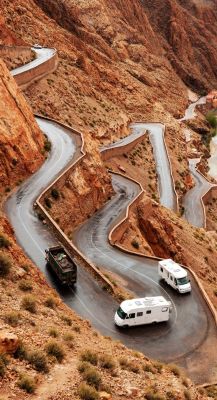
21,141
187,33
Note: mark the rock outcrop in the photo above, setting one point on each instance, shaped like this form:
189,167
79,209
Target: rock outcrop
21,141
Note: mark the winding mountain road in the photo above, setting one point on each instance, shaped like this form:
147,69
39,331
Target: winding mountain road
190,334
42,55
194,208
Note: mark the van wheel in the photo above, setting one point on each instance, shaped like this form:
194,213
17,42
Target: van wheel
125,326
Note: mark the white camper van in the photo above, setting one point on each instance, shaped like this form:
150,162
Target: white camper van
174,275
142,311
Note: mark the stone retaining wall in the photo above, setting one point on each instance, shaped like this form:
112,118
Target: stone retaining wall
15,51
26,78
120,150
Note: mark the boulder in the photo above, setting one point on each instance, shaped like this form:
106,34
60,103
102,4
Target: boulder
8,342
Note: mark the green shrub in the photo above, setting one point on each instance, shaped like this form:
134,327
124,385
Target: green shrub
38,360
55,194
54,349
5,265
12,318
90,356
92,377
27,383
21,353
4,242
53,332
29,304
107,362
50,302
87,392
25,286
47,144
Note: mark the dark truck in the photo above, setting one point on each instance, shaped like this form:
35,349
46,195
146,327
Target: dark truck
62,264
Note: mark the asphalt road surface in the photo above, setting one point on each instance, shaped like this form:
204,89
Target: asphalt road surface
194,211
42,55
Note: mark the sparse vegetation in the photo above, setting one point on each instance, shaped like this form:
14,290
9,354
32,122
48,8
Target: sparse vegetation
53,332
87,392
12,318
175,370
69,339
135,244
47,144
92,377
3,365
154,395
21,353
25,286
54,349
55,194
67,320
4,242
29,304
27,383
187,394
107,362
47,202
5,265
50,302
90,356
38,360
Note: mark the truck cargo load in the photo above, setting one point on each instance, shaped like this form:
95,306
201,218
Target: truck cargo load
62,264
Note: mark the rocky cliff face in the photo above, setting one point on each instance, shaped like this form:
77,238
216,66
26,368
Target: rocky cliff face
186,30
21,141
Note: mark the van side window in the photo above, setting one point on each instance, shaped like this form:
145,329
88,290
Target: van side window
161,269
132,315
164,309
148,312
171,277
139,314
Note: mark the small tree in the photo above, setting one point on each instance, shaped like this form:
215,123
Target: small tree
211,118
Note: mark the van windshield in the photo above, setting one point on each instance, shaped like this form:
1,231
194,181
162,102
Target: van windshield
183,281
121,313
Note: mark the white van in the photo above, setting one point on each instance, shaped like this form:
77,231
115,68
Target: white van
174,275
146,310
